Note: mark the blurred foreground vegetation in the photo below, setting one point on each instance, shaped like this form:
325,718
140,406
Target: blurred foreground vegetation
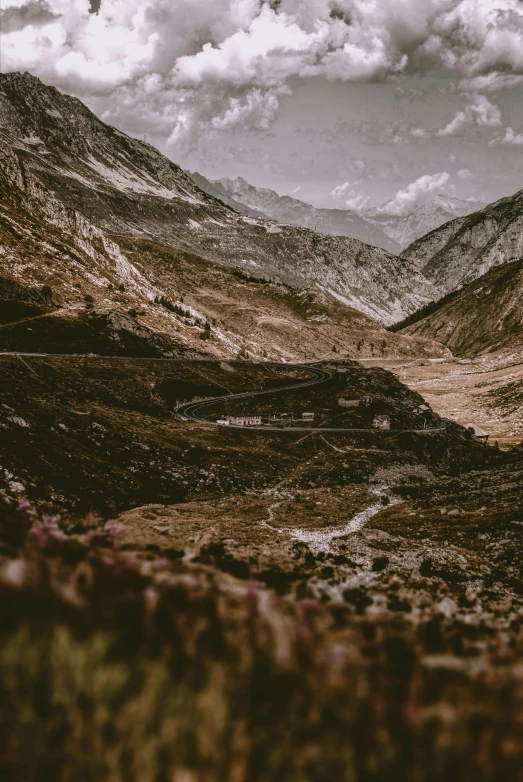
125,665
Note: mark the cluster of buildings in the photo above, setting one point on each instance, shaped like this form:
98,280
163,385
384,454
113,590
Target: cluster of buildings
274,420
380,422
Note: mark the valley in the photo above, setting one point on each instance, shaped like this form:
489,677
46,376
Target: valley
241,510
486,391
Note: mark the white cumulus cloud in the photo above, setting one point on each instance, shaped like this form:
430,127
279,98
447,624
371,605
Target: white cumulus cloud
193,67
414,195
478,110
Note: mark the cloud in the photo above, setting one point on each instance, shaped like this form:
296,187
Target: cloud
464,173
512,138
479,111
35,13
194,67
340,191
347,196
414,195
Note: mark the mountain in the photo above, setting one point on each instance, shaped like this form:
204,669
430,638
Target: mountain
331,222
482,317
216,190
466,248
77,213
61,163
405,230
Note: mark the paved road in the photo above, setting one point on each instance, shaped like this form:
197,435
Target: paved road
192,411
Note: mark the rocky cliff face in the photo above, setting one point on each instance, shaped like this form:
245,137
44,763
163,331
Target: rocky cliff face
485,316
81,177
466,248
405,230
332,222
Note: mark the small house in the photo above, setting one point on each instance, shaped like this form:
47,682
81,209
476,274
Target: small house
478,432
381,422
222,422
422,409
307,417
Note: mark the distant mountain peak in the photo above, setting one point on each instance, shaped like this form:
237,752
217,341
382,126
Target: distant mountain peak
421,221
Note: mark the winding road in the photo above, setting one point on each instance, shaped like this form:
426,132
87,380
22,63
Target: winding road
192,411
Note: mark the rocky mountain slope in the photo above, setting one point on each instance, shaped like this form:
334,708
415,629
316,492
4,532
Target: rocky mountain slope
285,209
65,268
54,148
484,316
466,248
406,230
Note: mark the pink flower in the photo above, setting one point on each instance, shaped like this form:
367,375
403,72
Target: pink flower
24,504
160,564
42,533
252,594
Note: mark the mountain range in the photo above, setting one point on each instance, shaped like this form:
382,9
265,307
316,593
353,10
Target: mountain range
375,226
59,158
331,222
104,221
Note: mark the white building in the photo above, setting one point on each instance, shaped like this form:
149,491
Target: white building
307,416
349,402
244,420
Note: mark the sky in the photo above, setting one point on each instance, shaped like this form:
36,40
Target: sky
354,104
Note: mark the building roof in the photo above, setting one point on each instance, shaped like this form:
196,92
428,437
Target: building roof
477,430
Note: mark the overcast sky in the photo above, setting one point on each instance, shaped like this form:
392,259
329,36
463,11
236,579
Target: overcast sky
350,103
